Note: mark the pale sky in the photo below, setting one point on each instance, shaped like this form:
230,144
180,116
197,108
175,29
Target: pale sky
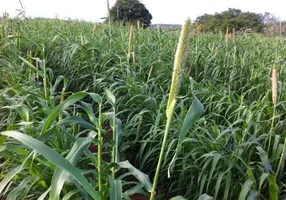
163,11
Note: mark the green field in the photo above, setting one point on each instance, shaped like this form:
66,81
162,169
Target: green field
97,94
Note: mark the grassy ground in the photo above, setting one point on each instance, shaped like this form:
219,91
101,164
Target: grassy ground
234,151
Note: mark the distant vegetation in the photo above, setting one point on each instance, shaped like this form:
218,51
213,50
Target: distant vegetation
232,18
130,11
240,21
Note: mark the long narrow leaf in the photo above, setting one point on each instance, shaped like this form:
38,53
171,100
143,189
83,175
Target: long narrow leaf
59,108
115,189
9,176
143,178
60,176
54,157
193,114
245,189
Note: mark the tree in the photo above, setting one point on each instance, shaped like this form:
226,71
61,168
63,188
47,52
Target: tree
273,26
129,11
231,18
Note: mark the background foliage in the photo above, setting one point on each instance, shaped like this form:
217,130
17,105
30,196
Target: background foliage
130,11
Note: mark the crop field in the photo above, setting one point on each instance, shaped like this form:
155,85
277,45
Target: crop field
85,113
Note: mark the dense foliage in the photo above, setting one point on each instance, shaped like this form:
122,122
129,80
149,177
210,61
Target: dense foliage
53,80
129,11
232,18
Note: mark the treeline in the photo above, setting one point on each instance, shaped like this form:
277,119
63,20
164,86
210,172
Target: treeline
240,21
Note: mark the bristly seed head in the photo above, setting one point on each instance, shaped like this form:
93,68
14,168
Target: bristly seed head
274,86
179,62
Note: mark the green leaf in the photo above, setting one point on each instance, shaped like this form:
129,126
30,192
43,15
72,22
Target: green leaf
178,198
273,187
19,189
57,82
96,97
143,178
245,189
28,63
22,110
54,157
251,177
205,197
9,176
262,179
60,176
43,196
89,111
227,184
115,189
193,114
76,120
265,162
3,139
214,165
70,194
137,189
118,133
218,183
110,96
59,108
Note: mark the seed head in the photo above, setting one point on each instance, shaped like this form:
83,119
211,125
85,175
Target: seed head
179,62
274,86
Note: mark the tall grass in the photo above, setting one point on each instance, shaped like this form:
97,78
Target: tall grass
226,154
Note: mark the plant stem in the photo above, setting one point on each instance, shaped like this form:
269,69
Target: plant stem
161,154
45,78
179,62
271,128
99,153
114,155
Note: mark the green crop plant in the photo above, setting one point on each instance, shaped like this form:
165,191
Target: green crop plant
226,154
179,63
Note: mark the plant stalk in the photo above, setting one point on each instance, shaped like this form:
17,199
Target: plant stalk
168,123
114,156
179,62
99,153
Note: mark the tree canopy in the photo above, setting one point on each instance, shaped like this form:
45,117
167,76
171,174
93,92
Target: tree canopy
232,18
129,11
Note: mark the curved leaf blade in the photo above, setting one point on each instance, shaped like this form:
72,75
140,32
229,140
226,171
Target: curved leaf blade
54,157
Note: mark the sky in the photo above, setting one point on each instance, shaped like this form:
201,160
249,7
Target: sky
163,11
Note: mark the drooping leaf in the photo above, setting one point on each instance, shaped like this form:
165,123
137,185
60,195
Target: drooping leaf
89,111
110,96
54,157
143,178
76,120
